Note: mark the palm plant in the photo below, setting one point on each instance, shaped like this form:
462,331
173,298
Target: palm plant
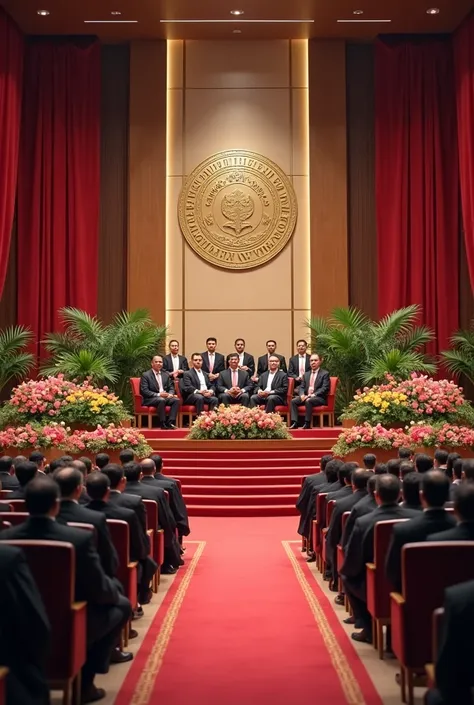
460,360
15,362
107,354
361,351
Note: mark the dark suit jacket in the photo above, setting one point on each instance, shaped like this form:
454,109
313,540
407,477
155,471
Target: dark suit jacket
294,366
177,503
17,493
130,501
344,504
309,482
279,384
262,365
452,490
191,383
9,482
4,507
225,381
219,362
70,511
248,361
366,505
168,363
149,386
323,384
340,493
138,548
461,532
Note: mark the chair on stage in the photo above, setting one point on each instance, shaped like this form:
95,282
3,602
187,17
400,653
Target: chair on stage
127,570
323,411
138,409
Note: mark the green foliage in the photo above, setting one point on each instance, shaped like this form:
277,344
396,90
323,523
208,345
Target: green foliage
460,360
15,362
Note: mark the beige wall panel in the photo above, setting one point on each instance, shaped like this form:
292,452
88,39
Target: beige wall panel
174,321
301,245
174,157
258,120
174,246
299,63
175,63
237,64
300,330
300,131
254,326
265,287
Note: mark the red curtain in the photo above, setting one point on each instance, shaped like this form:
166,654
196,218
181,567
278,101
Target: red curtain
464,66
58,184
11,70
417,182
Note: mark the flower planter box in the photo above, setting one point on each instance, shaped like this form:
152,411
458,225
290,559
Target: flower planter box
53,453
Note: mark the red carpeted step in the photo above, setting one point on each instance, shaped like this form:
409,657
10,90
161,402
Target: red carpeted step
189,470
233,479
263,510
247,500
230,456
212,463
290,489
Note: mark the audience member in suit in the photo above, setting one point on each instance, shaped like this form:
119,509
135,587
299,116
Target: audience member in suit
25,630
456,475
310,481
381,469
234,385
313,391
370,461
434,492
174,363
197,387
393,466
360,550
406,467
423,463
24,472
330,484
118,481
212,362
263,361
246,361
39,459
454,672
365,506
102,460
80,465
151,469
411,483
299,363
405,454
107,610
344,475
452,457
441,459
272,387
157,389
71,484
464,512
9,481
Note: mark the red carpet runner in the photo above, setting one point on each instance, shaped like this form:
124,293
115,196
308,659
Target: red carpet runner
246,624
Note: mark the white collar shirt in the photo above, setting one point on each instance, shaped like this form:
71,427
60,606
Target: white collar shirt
271,375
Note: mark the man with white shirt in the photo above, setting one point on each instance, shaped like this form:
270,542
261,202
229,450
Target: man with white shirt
213,363
299,364
174,363
157,389
313,391
197,387
246,361
234,385
272,387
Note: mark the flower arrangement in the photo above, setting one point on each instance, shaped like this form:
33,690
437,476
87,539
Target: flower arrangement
237,422
441,435
33,435
109,438
368,436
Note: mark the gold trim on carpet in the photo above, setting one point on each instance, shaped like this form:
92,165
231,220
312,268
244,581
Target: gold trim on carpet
349,683
144,687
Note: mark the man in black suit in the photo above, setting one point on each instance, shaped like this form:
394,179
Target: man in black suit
246,361
197,387
234,385
7,477
264,360
272,387
212,362
434,494
152,475
313,391
344,475
299,363
157,389
310,481
365,506
25,472
107,610
25,629
457,477
330,483
71,484
82,467
360,550
411,483
39,459
174,363
464,512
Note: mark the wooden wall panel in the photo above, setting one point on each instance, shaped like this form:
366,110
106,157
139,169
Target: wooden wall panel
361,178
112,290
328,175
147,178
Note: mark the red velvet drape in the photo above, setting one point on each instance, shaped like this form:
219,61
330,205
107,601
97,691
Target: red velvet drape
417,182
11,71
58,183
464,66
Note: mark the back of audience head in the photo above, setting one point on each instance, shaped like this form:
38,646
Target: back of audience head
345,471
38,459
101,460
67,459
25,472
411,489
372,485
133,472
434,489
380,469
464,502
70,481
332,469
6,462
452,457
115,473
387,489
324,461
468,469
56,464
158,460
360,478
457,469
405,468
423,463
42,497
440,458
393,466
19,459
405,453
79,465
87,463
98,486
369,461
126,456
148,467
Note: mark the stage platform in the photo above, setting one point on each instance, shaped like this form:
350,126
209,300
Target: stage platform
241,478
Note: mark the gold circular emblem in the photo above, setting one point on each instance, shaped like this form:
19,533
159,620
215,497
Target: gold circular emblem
237,209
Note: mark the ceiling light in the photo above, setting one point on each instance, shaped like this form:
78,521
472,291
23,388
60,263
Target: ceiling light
236,12
244,21
374,21
237,31
110,21
115,12
42,13
433,11
358,12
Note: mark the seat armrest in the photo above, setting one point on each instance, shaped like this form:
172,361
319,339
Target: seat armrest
397,598
370,566
431,675
78,606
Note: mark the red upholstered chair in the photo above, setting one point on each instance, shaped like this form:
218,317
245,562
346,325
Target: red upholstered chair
327,410
437,623
127,571
188,410
340,550
4,494
18,505
318,525
3,675
378,587
156,538
329,510
14,518
428,568
138,409
53,566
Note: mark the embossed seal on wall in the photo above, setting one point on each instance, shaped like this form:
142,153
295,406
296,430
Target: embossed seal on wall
237,209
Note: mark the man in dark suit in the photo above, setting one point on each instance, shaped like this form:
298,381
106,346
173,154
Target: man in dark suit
457,477
174,363
434,494
246,361
234,385
25,629
310,481
7,477
464,512
24,472
107,610
360,550
264,360
212,362
313,391
365,506
157,389
330,484
299,363
411,484
272,387
197,387
344,475
152,475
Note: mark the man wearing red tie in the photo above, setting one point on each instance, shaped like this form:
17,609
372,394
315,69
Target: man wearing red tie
313,391
213,363
299,364
234,385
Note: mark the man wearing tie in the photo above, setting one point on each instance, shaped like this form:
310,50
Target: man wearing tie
246,361
299,364
157,389
197,387
234,385
313,391
263,361
213,363
174,363
272,387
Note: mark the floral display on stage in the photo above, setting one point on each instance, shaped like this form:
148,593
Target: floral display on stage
238,422
368,436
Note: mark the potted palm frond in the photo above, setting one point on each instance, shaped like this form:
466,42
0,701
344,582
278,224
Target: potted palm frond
15,360
460,360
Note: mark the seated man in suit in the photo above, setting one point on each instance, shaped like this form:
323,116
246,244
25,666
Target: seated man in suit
456,477
365,506
39,459
25,472
313,391
7,474
434,494
411,483
310,481
149,467
197,387
464,512
246,361
234,385
213,363
299,363
157,389
272,387
263,361
174,363
329,484
107,610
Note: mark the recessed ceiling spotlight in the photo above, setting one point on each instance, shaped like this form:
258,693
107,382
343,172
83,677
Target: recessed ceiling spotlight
42,13
433,11
236,31
236,12
358,12
115,12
